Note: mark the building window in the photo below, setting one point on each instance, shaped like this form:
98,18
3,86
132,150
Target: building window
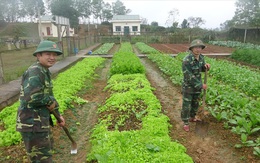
118,28
134,28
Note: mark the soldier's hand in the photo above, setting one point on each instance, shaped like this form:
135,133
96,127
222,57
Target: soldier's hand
207,66
204,86
52,106
62,123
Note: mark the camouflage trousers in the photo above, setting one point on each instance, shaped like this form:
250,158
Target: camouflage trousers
39,146
190,105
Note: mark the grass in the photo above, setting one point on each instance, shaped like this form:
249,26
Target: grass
10,46
15,62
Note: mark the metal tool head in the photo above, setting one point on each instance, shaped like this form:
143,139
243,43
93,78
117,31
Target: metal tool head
201,128
74,151
73,148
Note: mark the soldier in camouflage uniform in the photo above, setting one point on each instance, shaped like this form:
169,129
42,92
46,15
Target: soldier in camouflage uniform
192,66
36,104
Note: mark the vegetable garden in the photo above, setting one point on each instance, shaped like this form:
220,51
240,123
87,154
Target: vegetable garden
134,123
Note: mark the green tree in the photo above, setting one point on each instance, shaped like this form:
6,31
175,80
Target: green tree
155,27
66,9
172,18
30,8
106,12
119,8
184,24
175,25
83,7
10,10
97,8
227,25
144,21
2,11
154,24
195,22
247,13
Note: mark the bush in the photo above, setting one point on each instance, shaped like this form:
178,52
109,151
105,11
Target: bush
251,56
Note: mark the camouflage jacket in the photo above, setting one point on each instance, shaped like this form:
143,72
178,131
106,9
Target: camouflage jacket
35,94
192,69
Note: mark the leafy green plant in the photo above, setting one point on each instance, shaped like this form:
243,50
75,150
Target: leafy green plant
145,49
66,86
131,94
257,151
233,94
126,62
104,49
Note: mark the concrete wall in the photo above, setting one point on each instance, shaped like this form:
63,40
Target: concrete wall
54,30
126,24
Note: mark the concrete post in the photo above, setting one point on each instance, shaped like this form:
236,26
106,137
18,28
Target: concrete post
245,35
68,39
40,24
1,70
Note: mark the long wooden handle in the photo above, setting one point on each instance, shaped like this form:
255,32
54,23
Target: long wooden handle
56,116
205,77
204,90
64,128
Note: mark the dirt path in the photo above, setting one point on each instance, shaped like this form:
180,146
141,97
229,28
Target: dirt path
86,117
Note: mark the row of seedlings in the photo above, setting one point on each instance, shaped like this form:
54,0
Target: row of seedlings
131,126
234,99
66,85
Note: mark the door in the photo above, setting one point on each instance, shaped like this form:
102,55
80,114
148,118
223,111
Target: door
126,30
48,31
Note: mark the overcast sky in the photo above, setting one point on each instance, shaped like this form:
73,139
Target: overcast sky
214,12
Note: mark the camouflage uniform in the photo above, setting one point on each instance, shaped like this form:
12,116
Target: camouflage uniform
192,85
33,117
36,98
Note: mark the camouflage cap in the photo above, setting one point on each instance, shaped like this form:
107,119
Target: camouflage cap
197,43
47,46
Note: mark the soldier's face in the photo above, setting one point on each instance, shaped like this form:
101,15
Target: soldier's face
197,50
47,59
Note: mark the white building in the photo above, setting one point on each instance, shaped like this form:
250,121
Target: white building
49,28
126,25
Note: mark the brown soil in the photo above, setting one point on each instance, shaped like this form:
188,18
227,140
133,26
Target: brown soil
215,147
177,48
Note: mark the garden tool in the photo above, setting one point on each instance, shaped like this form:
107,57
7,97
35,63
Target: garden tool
74,144
202,126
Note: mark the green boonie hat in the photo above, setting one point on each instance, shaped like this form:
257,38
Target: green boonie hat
195,43
47,46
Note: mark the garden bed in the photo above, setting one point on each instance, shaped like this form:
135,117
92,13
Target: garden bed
217,146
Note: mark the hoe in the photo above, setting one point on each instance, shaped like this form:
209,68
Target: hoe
74,144
201,128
